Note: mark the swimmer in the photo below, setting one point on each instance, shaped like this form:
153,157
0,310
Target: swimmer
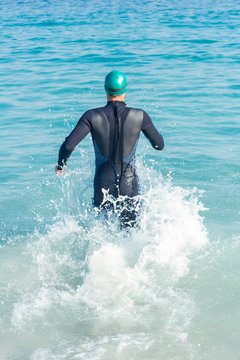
115,129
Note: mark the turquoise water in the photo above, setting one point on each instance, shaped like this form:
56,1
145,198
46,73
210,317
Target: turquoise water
72,285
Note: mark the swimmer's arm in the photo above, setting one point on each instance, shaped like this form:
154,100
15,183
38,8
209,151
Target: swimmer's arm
152,133
81,130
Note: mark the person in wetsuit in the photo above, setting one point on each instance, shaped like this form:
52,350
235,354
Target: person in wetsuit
115,130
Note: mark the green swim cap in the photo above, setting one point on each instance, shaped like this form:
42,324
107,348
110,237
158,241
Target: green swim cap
115,83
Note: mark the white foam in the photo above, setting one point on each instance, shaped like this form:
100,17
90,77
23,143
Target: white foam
96,280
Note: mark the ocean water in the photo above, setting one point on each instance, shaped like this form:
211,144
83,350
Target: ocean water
72,284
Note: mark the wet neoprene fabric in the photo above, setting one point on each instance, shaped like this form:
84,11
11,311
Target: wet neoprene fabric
115,130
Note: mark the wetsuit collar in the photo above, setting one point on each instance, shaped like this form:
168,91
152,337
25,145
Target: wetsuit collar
110,102
117,106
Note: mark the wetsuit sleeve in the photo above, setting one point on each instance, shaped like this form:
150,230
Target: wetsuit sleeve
152,133
81,130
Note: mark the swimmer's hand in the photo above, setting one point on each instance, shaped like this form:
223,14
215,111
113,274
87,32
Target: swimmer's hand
60,170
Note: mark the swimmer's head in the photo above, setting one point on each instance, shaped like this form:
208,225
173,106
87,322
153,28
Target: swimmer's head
116,85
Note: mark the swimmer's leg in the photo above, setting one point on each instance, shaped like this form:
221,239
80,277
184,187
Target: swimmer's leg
128,212
130,206
104,179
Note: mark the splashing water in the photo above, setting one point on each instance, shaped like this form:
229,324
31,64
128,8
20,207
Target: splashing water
85,288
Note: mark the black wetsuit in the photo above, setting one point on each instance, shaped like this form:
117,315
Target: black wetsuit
115,129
